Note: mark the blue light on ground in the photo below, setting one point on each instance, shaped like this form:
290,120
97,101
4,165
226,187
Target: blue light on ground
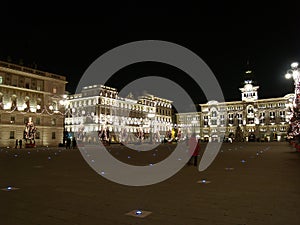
139,212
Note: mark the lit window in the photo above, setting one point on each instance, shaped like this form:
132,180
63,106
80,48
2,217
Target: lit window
272,114
214,114
1,79
11,135
53,122
213,122
54,90
12,119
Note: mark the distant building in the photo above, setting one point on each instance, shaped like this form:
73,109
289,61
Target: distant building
98,108
29,93
188,123
259,119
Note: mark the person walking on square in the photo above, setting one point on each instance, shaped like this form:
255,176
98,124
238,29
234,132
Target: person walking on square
196,153
194,148
17,142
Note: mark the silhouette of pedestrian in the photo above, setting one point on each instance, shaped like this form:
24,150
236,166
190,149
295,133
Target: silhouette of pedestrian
74,142
68,145
17,141
20,143
194,147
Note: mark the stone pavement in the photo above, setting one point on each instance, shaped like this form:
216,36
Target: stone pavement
250,183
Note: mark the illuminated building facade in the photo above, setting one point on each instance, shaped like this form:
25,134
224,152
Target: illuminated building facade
188,123
97,108
29,94
259,119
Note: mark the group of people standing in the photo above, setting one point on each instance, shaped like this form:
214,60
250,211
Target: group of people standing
71,143
18,143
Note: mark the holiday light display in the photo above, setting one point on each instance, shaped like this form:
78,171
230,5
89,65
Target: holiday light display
294,128
29,133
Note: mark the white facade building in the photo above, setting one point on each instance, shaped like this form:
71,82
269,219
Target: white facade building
98,108
259,119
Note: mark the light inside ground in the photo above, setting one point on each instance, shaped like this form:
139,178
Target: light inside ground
138,212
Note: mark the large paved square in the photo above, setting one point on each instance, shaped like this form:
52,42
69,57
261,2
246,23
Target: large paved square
249,183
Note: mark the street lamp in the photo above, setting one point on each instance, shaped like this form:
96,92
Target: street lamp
294,73
64,105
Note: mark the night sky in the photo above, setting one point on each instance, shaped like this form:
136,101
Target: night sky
66,39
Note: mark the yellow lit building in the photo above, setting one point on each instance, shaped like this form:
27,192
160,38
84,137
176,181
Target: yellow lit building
25,94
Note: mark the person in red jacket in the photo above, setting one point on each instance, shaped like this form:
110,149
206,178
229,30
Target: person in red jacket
194,148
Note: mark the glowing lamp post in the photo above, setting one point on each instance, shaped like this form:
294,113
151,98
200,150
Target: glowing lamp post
64,103
294,129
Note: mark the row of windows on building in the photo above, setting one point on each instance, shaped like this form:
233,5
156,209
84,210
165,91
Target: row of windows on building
117,104
260,106
37,135
251,129
24,82
26,119
250,111
115,120
231,116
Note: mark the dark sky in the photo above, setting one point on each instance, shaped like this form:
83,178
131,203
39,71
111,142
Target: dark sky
67,39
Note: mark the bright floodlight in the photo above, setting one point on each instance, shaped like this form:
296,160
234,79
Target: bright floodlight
288,76
295,74
294,65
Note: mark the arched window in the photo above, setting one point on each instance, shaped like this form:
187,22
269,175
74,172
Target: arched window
38,105
26,104
250,110
13,102
54,104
